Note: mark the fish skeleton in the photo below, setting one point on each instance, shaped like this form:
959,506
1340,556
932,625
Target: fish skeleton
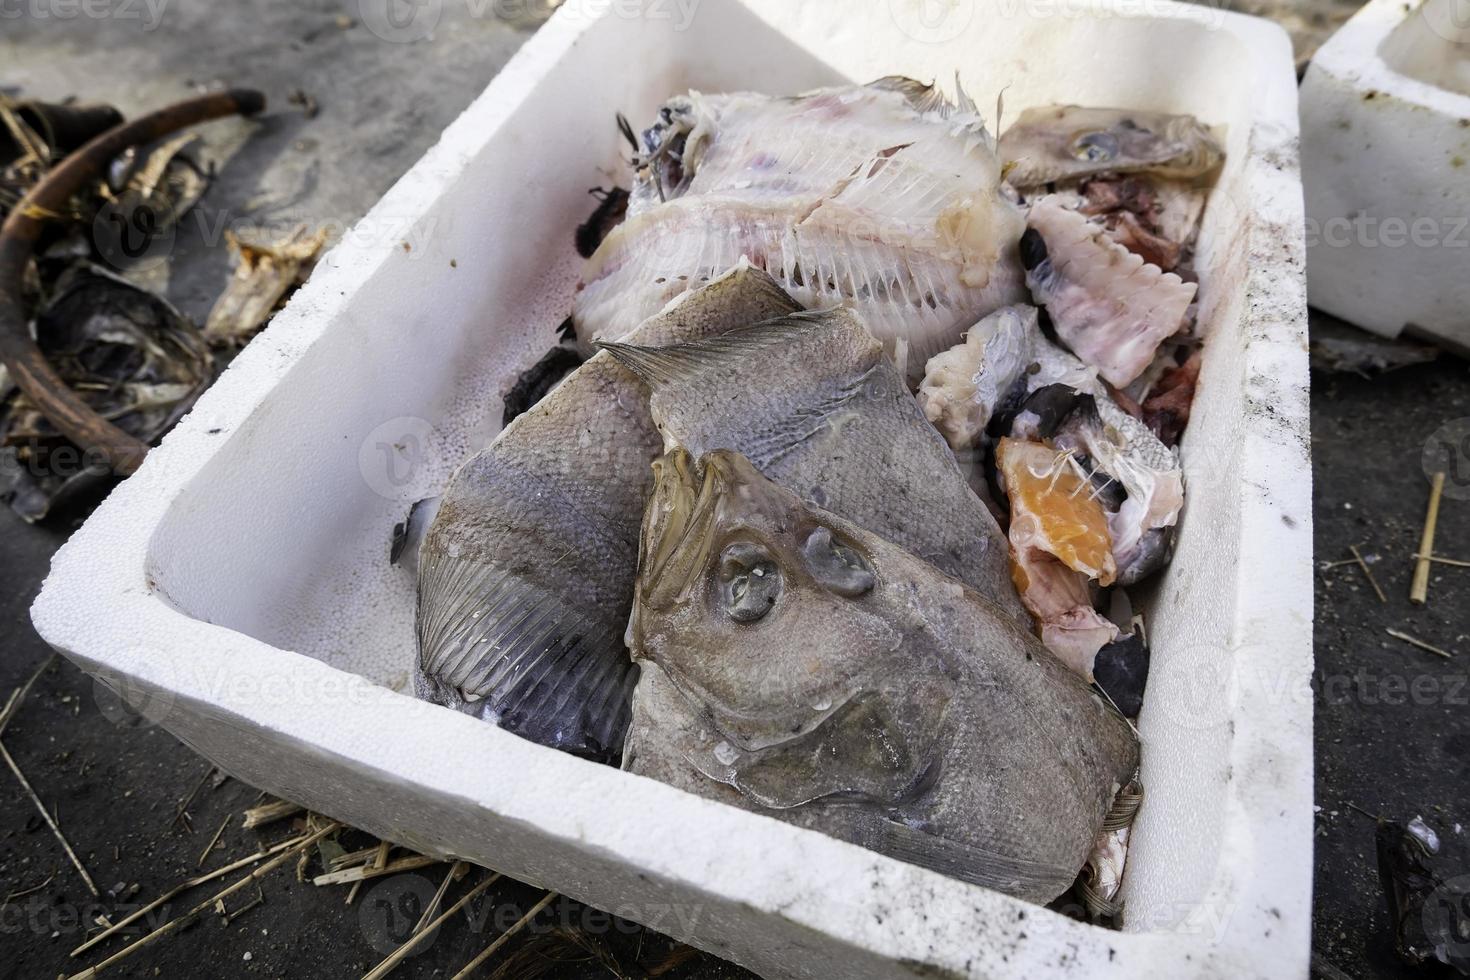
811,399
526,574
799,666
884,197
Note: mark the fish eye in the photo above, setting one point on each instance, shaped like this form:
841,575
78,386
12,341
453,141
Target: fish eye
838,567
1095,147
750,581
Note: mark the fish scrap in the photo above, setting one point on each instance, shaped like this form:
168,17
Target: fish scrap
811,399
266,271
1053,144
526,574
1059,545
806,607
1109,306
884,197
802,667
1074,459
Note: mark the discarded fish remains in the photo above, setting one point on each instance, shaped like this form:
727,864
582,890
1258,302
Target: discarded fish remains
801,666
526,574
1056,143
813,401
734,551
885,197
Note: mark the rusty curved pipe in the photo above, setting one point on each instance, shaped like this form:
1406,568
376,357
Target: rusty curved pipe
28,367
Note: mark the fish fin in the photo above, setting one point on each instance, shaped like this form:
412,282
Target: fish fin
965,103
753,284
927,98
532,663
976,864
923,97
660,366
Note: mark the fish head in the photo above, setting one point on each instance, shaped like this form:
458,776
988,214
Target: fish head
761,608
1054,143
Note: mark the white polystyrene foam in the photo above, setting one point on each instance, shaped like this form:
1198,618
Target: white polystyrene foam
1386,157
238,584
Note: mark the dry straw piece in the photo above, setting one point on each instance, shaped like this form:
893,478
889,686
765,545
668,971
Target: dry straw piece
1415,641
1419,591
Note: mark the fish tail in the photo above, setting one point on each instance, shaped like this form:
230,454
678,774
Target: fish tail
1013,874
542,668
1125,807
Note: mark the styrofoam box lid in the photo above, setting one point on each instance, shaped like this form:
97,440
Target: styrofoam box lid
237,589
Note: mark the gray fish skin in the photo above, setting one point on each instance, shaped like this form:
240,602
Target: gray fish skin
815,404
867,696
526,574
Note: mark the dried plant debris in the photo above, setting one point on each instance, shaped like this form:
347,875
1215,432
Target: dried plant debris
34,135
266,272
166,183
560,952
61,126
1422,868
304,101
318,847
137,361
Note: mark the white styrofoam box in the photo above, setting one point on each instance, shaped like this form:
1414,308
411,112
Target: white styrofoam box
237,587
1386,167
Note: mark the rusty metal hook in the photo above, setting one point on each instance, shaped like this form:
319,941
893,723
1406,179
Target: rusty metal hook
28,367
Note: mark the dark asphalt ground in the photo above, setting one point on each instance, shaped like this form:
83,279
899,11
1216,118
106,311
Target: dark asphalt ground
1392,722
115,783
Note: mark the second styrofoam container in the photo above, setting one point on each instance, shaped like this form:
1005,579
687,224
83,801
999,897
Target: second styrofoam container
236,589
1385,112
